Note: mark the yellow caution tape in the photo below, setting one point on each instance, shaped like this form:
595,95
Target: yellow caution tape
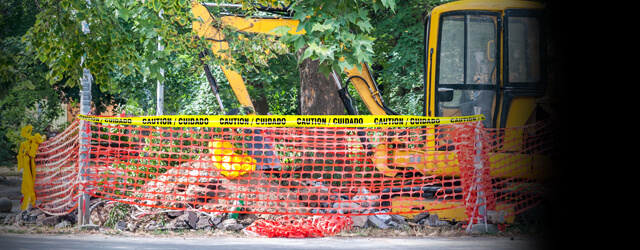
26,163
282,120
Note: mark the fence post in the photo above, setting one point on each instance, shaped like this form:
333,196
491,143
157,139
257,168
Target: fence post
84,213
160,84
480,181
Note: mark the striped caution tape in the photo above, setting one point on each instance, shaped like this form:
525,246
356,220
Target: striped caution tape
282,120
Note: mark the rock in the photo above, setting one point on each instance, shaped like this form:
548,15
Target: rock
442,223
132,227
152,226
192,219
230,224
176,224
392,224
18,219
434,222
181,221
5,205
373,220
175,213
420,216
39,219
384,217
120,226
62,224
247,219
43,220
36,212
216,220
183,217
203,222
398,220
359,221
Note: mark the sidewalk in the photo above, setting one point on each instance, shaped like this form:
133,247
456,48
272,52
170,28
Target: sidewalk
94,242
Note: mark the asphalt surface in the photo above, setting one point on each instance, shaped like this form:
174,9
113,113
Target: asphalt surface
94,242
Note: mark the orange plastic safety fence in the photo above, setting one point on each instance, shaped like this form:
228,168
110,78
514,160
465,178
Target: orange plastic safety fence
303,171
309,171
523,161
285,227
56,183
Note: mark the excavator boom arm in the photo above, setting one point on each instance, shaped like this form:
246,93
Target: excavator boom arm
360,79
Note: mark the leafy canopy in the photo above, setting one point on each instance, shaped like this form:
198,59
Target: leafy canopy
337,33
108,36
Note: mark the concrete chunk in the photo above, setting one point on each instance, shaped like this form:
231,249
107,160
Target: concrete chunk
192,219
384,217
420,216
230,224
373,220
359,221
203,222
62,224
121,226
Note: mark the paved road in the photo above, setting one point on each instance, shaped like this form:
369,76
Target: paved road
95,242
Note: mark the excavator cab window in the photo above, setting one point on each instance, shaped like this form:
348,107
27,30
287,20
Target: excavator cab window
524,49
490,63
466,77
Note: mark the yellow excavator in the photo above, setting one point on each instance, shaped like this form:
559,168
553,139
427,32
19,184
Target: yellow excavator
480,57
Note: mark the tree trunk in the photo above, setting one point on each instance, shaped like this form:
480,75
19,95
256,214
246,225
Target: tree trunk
260,102
318,94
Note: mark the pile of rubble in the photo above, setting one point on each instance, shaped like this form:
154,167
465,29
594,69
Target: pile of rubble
35,217
153,219
194,220
384,221
157,220
187,220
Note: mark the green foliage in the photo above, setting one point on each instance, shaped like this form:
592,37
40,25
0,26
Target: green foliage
23,89
123,36
119,212
25,97
121,50
16,17
280,84
28,98
338,33
398,64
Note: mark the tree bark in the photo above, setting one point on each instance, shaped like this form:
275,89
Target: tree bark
260,102
318,94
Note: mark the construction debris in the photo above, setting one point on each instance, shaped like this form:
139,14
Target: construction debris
362,207
153,219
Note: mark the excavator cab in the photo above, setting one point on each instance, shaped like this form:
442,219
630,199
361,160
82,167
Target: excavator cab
485,57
